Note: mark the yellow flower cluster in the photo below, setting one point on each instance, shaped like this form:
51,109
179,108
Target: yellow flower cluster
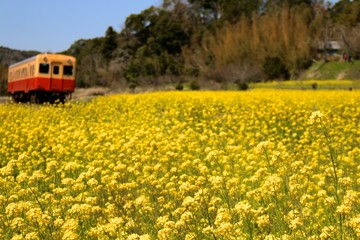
183,165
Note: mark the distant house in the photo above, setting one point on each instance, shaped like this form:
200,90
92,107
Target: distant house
330,49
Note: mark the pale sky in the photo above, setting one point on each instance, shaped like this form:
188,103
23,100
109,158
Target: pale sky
52,26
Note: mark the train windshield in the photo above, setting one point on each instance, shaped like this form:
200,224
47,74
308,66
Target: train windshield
56,70
68,70
44,68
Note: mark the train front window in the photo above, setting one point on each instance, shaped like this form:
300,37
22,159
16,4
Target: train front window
44,68
68,70
56,70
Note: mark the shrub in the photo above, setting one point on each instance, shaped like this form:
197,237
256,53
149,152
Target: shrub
179,87
243,86
314,86
194,85
274,68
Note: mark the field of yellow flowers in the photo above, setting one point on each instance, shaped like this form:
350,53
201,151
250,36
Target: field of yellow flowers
182,165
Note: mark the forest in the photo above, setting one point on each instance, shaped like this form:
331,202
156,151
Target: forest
217,43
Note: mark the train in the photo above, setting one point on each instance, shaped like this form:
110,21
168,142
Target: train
42,78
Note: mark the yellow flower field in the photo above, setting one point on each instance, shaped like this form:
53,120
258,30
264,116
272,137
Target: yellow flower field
183,165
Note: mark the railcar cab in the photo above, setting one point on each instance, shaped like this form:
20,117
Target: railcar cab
57,73
43,78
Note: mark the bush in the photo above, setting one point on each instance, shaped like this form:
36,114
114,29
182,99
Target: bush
314,86
179,87
194,85
132,86
243,86
274,68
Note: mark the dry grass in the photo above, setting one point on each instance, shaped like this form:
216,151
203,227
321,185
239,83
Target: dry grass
84,93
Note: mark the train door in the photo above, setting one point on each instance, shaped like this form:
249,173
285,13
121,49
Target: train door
56,81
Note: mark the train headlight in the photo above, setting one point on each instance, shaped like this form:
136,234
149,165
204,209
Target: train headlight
69,61
45,59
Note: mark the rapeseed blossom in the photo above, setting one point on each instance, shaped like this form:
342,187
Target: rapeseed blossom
215,165
316,117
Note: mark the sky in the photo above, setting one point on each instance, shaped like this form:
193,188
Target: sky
52,26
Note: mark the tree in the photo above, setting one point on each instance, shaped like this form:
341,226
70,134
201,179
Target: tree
225,10
277,38
3,79
159,37
109,44
287,3
346,13
237,39
275,68
206,10
169,32
139,25
232,10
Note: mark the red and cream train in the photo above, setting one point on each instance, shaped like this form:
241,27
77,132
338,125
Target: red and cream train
42,78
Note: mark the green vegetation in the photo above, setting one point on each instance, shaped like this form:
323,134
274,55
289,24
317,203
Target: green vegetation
218,44
7,57
308,84
333,70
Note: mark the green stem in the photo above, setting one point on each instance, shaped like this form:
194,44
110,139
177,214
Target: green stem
334,166
332,154
268,160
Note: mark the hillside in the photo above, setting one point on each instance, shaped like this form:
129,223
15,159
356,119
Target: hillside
212,46
9,56
333,70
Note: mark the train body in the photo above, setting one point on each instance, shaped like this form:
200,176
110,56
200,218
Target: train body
42,78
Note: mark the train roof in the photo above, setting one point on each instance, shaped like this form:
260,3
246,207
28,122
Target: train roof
23,61
41,55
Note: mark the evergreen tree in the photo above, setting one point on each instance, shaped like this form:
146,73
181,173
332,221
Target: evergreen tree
109,44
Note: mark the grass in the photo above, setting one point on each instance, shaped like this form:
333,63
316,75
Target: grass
308,84
333,70
321,75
